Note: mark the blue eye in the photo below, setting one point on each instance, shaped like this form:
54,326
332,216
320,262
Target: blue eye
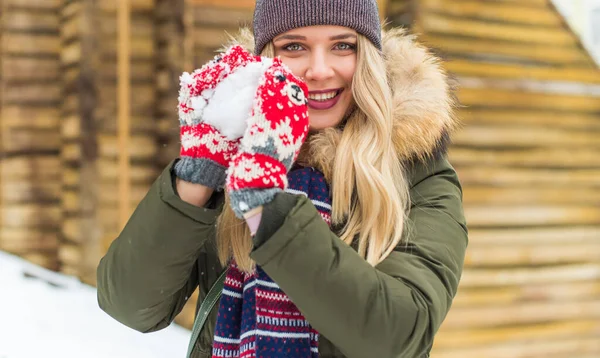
343,46
292,47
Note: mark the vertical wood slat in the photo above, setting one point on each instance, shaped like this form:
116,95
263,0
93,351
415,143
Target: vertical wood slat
81,247
142,145
123,96
171,61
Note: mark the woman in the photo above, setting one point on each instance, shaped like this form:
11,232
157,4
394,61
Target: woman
381,280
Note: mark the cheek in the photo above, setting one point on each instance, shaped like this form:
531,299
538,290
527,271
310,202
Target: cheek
347,70
296,65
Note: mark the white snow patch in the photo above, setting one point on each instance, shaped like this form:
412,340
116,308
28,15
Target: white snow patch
46,314
230,106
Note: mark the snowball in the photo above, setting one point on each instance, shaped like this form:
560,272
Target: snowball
186,79
231,103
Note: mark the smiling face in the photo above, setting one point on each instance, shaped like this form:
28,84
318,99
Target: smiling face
325,58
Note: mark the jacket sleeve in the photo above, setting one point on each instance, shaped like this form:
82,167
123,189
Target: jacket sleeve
392,310
150,269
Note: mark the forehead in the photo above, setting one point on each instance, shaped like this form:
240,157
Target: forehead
316,33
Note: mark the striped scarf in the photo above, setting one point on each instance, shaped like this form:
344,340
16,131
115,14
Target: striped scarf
256,318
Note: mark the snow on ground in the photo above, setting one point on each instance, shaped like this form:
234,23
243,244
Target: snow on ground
46,314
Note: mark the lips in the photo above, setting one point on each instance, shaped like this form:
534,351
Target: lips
319,99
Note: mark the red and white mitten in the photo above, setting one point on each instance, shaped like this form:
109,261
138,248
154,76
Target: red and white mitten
214,102
277,128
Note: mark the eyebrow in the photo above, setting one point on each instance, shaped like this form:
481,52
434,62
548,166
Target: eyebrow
299,37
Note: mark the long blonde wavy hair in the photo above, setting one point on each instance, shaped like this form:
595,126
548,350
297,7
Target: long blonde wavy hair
369,191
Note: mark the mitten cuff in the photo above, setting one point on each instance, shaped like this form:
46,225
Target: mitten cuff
201,171
243,201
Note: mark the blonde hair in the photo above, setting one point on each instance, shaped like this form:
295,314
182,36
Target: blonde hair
374,202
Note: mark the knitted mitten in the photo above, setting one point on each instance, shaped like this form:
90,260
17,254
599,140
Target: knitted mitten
210,131
277,128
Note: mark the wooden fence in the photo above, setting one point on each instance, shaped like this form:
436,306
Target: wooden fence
528,155
528,158
30,171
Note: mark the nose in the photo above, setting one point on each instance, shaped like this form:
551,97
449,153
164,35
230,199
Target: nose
319,68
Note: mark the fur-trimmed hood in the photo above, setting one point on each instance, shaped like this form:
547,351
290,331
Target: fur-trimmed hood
422,98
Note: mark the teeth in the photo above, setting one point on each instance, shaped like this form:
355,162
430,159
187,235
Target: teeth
322,96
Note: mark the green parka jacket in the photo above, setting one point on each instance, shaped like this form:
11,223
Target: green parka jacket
167,248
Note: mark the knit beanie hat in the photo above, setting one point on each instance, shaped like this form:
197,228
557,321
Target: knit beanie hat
273,17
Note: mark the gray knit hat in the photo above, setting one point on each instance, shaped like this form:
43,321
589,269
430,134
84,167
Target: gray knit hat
273,17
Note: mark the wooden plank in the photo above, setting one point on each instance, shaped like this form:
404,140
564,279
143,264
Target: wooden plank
220,17
527,100
70,54
46,259
557,37
503,256
523,195
534,118
71,152
21,240
27,167
30,69
141,71
530,276
75,202
536,3
44,93
30,44
142,48
504,50
142,26
30,191
71,177
453,339
23,21
140,147
535,236
531,86
523,313
71,255
71,28
571,346
510,71
531,215
110,6
24,140
140,173
31,215
110,195
528,176
15,116
124,109
507,295
230,4
76,229
531,157
71,9
525,136
34,4
211,38
516,13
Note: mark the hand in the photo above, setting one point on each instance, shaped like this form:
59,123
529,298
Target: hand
209,132
277,128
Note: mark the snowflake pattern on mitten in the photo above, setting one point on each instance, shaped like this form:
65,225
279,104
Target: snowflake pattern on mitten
277,128
205,150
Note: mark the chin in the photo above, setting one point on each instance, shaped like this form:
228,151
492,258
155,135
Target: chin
320,121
